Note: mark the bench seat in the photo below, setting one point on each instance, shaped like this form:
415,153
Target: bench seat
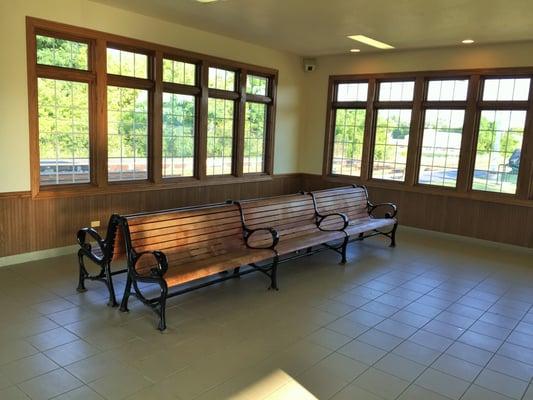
363,218
294,218
183,272
290,245
174,247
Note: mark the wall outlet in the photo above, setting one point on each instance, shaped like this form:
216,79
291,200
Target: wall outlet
95,224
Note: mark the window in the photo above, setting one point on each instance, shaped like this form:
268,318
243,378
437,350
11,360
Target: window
63,112
352,92
220,137
396,91
442,133
111,111
500,134
349,128
126,63
221,79
441,147
127,133
455,133
257,85
498,150
256,123
390,148
179,72
62,53
127,118
392,131
178,135
63,131
254,137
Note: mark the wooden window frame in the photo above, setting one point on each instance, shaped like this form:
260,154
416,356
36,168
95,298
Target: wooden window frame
98,79
472,106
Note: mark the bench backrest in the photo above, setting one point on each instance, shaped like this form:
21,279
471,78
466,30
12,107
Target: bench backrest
184,235
290,215
350,201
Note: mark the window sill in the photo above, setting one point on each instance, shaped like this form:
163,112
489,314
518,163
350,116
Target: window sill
144,186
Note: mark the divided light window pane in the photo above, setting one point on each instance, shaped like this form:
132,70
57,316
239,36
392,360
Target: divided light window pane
447,90
441,145
126,63
179,72
396,91
390,148
221,79
127,136
63,131
256,85
498,150
178,135
348,141
352,91
62,53
506,89
220,118
254,137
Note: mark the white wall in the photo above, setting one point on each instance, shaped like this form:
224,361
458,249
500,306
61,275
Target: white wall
14,136
316,83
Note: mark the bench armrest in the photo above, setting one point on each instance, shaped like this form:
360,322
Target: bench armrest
249,232
391,214
87,247
162,263
320,218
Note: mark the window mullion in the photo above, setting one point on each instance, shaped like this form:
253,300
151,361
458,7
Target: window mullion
468,142
100,57
155,141
415,135
368,137
201,125
525,174
240,115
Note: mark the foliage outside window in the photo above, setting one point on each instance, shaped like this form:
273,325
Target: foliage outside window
178,135
391,144
63,114
220,136
127,134
254,137
348,142
63,131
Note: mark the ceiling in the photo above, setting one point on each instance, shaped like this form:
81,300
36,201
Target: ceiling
320,27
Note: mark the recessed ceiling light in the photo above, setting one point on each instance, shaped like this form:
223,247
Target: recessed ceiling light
206,1
371,42
355,50
467,41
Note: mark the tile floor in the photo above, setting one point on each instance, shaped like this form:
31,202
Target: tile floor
435,318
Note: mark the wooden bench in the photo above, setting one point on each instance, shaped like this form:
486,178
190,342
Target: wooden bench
101,251
171,248
298,224
361,213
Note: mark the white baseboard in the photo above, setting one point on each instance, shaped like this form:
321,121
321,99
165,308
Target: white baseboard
37,255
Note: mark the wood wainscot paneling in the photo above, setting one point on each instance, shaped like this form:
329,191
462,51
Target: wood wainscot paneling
505,222
29,224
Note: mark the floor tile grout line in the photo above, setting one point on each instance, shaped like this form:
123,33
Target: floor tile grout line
495,352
